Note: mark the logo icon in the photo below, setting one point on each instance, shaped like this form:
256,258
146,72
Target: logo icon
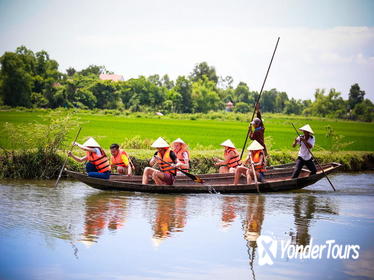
267,248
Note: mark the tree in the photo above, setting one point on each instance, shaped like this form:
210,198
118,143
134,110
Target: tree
293,106
184,87
268,100
70,71
242,94
166,82
355,96
204,96
203,69
16,82
280,102
241,107
93,70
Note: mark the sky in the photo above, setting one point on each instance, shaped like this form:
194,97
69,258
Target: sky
323,43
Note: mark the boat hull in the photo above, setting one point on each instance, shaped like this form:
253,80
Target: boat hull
276,180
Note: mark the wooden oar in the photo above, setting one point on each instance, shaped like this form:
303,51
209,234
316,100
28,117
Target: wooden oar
191,176
254,172
66,159
258,99
315,159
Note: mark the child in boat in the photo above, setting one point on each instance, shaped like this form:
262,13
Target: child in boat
183,155
256,157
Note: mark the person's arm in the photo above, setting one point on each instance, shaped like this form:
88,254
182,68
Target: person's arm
174,158
153,160
296,141
78,159
92,150
309,143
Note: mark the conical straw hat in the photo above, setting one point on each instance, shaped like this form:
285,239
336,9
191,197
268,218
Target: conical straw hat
160,143
255,146
228,143
91,143
306,128
178,140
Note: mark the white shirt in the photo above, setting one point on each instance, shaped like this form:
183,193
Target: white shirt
303,152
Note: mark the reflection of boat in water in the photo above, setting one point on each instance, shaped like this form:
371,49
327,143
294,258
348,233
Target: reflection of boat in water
170,216
103,212
277,179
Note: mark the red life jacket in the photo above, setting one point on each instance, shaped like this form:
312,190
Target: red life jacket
256,157
166,168
234,161
180,157
101,162
117,160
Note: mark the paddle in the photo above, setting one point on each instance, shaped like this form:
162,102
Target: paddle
191,176
314,158
66,159
254,172
258,99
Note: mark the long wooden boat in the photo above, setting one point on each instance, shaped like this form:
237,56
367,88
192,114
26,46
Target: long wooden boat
277,179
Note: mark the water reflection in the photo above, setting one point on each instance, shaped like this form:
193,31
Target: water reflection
103,212
170,216
200,234
305,207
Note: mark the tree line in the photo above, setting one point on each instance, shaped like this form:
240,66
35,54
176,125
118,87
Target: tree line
31,79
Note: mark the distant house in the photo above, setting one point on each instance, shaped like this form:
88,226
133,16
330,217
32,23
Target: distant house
111,77
229,106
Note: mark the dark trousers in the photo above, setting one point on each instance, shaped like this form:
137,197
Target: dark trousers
92,172
299,165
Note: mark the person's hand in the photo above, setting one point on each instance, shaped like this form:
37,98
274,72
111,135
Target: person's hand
258,107
70,154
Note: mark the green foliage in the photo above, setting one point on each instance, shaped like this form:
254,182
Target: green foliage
31,79
336,142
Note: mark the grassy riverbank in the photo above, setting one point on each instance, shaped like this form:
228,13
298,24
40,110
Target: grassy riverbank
33,141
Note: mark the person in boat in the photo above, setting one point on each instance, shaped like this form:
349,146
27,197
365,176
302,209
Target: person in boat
259,129
256,151
180,150
120,160
231,158
97,165
166,160
304,156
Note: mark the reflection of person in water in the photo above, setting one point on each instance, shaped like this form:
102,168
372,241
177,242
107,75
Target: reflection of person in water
170,217
254,218
252,225
228,210
305,206
103,212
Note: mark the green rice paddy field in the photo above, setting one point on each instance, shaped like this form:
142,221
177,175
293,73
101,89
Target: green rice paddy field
201,133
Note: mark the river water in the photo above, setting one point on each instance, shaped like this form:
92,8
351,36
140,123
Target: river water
76,232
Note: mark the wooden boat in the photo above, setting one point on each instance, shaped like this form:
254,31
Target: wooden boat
278,178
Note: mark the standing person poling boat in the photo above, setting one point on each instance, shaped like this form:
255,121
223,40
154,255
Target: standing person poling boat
256,157
180,150
97,162
304,157
120,160
259,129
231,158
166,160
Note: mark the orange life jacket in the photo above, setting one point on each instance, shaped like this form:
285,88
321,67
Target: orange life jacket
101,162
180,157
117,160
233,161
256,157
166,168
